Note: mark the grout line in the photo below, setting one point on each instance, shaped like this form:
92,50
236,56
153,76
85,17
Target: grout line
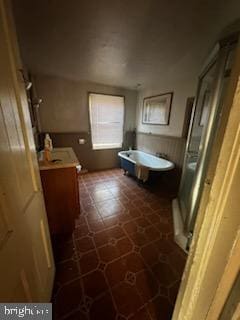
79,271
139,193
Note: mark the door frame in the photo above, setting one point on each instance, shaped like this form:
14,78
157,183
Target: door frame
203,291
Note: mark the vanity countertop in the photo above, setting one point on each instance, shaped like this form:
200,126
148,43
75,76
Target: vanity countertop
60,158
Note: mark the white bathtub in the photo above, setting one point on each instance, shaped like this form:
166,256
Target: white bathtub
135,157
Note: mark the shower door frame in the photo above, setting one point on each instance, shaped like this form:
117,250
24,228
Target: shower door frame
207,67
212,254
218,56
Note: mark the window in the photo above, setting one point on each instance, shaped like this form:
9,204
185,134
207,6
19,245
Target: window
106,118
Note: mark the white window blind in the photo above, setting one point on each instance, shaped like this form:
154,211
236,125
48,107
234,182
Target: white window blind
106,117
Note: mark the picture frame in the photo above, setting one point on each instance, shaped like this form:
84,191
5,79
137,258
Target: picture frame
157,109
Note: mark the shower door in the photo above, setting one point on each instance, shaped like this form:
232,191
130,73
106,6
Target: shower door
205,121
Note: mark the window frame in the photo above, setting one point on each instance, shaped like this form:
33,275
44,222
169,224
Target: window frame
89,119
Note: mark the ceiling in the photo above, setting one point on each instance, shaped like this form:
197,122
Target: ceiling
120,42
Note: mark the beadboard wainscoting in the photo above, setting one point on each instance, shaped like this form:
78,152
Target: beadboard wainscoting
172,147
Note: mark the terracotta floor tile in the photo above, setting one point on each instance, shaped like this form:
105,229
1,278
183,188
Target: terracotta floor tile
163,291
116,232
81,231
142,222
80,220
88,262
66,271
94,284
160,309
123,200
121,261
133,262
101,238
90,208
123,216
96,186
78,315
146,285
155,205
177,260
146,210
149,254
67,299
101,195
103,308
127,190
108,253
165,246
152,233
164,228
109,207
130,227
84,193
173,291
141,315
110,221
126,298
133,197
139,238
116,191
138,203
112,183
153,218
115,272
96,225
130,207
85,244
88,183
84,203
164,274
93,216
134,212
120,317
124,246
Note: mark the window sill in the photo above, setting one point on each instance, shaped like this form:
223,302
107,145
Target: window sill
106,146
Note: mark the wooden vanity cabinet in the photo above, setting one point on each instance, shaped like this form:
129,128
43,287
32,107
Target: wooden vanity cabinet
61,194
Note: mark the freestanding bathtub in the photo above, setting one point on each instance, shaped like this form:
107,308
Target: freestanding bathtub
129,159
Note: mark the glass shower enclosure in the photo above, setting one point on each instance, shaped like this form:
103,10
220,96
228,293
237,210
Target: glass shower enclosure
206,118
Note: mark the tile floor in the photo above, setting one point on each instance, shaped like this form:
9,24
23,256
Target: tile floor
121,261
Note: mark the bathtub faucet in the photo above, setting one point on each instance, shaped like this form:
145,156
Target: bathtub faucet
161,155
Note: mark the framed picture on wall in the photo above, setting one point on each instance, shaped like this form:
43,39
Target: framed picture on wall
157,109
